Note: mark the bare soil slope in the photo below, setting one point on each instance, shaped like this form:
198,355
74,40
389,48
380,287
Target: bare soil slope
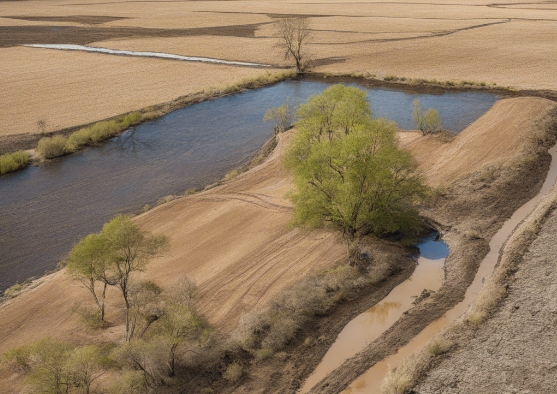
234,240
468,210
491,141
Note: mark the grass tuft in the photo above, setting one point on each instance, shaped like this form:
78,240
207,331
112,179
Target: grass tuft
233,373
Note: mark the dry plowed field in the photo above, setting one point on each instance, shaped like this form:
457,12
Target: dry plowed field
510,44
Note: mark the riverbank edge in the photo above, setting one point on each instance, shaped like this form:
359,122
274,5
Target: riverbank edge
466,253
28,141
494,291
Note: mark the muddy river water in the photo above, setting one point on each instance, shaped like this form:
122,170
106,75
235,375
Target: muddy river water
44,210
369,325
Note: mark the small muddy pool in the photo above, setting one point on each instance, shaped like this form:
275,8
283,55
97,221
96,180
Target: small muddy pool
369,325
44,210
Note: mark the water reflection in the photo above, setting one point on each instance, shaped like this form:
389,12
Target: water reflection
379,313
131,142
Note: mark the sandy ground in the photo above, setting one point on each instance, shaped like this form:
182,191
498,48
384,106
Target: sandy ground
514,351
511,44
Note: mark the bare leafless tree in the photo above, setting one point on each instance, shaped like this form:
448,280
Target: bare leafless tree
293,34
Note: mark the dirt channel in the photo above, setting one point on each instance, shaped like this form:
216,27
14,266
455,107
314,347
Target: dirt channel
503,354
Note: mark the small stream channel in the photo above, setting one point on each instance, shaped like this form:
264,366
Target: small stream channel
369,325
44,210
370,382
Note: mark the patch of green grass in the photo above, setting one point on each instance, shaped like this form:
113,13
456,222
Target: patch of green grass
131,119
11,162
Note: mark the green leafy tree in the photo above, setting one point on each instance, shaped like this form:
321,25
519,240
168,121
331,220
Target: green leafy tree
349,173
429,121
129,250
282,116
88,262
53,366
111,257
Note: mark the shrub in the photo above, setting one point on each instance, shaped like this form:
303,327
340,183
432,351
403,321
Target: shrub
282,331
265,353
438,346
164,200
396,382
472,234
102,131
79,139
52,147
11,162
427,122
131,382
233,373
90,318
231,175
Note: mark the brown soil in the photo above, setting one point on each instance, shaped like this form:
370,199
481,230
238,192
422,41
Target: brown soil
480,200
20,35
66,89
233,240
81,19
239,270
416,40
503,354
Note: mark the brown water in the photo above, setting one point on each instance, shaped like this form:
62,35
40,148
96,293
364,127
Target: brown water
370,382
369,325
44,210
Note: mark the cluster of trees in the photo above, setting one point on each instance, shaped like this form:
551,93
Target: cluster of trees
167,326
428,121
349,173
161,326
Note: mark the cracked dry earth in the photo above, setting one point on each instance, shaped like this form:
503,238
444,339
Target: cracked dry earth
516,350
